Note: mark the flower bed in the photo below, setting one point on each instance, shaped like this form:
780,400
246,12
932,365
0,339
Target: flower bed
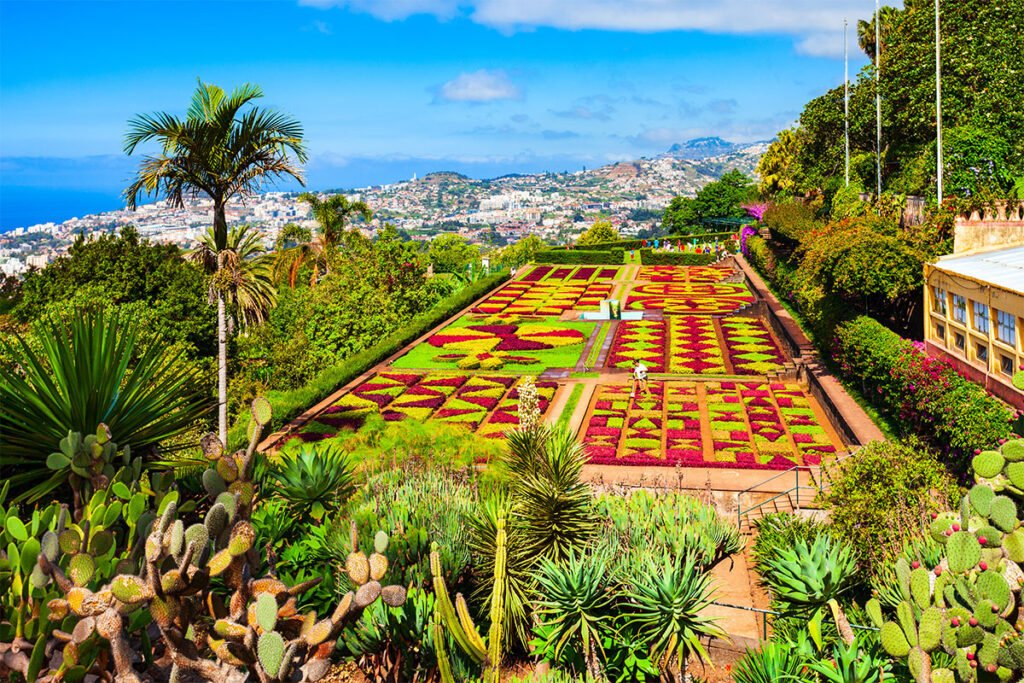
546,298
487,404
745,425
714,298
642,340
495,343
750,346
694,348
679,274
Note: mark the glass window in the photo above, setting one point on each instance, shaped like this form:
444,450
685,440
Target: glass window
959,341
940,331
982,352
939,300
1006,365
959,309
980,317
1006,327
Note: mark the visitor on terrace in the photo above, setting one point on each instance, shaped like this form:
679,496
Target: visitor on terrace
639,377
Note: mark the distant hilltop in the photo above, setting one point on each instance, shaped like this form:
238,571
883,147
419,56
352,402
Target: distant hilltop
704,148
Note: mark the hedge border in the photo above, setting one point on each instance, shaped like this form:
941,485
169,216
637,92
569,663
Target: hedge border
287,405
615,256
638,244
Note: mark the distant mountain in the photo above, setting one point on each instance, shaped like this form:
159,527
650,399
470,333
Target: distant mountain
699,149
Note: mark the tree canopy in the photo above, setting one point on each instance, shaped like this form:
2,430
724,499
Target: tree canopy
600,231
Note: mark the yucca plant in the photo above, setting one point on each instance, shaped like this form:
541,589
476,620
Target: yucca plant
807,578
773,662
312,479
574,610
667,600
552,507
90,370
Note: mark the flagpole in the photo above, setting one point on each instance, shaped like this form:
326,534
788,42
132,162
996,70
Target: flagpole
878,104
846,94
938,102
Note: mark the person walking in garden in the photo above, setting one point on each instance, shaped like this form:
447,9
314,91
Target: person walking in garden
639,377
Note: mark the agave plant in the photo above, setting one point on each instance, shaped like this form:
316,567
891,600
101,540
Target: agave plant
773,662
807,578
553,508
667,601
860,662
574,609
90,370
312,479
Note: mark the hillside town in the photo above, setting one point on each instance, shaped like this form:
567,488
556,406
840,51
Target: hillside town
555,206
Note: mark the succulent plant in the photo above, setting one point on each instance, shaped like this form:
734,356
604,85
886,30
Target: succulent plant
968,606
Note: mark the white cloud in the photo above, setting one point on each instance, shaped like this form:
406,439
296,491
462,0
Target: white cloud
829,44
809,20
478,86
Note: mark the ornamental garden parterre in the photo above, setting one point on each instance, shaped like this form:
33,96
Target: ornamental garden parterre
719,392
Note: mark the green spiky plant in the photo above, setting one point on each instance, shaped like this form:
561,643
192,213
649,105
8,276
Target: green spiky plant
312,479
91,370
773,662
807,579
573,610
667,601
962,620
860,662
257,633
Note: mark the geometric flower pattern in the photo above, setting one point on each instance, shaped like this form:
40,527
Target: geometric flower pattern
713,298
751,348
752,424
544,298
694,348
465,399
642,340
679,274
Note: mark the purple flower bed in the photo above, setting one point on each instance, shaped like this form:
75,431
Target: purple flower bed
536,274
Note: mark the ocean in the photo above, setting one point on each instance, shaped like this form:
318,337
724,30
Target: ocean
25,206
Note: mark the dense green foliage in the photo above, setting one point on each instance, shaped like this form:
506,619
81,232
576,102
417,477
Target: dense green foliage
908,477
983,146
924,395
721,198
600,231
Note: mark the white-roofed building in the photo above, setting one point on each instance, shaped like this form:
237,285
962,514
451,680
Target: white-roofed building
975,315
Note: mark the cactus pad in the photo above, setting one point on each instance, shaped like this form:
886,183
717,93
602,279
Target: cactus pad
1003,513
227,469
70,541
930,629
242,537
319,632
393,596
380,542
1013,544
213,483
894,641
378,566
229,503
130,589
366,594
1015,473
921,587
963,552
358,568
941,524
988,464
271,652
197,535
919,664
1013,451
981,497
261,411
991,585
216,520
211,445
266,611
81,569
220,562
874,610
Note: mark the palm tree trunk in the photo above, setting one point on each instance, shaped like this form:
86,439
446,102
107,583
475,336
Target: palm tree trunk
222,370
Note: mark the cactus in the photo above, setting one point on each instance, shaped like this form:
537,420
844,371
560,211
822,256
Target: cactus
971,607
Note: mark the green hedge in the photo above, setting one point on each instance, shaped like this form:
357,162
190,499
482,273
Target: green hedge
638,244
650,257
614,256
923,395
289,404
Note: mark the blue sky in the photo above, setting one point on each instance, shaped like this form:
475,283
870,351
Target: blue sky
390,87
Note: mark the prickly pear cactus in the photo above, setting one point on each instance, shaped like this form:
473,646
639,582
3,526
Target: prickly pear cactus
258,632
969,606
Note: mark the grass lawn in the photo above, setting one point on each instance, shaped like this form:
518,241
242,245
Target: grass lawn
517,346
570,406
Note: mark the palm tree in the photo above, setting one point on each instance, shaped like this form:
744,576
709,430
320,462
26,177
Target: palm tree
224,147
866,30
333,214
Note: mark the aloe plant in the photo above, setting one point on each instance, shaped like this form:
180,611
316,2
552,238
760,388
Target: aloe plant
90,370
312,479
773,662
860,662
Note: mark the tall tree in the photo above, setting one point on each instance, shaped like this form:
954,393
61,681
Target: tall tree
224,147
333,215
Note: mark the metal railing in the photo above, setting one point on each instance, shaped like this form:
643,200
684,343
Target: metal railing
764,617
795,489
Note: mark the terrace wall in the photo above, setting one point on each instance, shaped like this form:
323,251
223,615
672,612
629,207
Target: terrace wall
847,417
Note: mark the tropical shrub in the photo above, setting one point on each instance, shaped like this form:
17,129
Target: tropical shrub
791,220
924,395
907,476
90,370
